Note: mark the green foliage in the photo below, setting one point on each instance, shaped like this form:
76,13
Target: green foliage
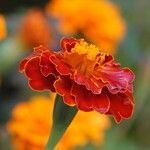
62,117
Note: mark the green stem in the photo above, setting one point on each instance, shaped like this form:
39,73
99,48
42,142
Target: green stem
62,117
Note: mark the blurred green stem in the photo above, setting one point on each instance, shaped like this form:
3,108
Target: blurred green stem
62,117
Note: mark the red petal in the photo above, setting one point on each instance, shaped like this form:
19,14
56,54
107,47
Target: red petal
121,106
36,79
87,101
117,79
25,61
101,103
22,65
90,83
43,83
61,66
32,69
37,53
63,86
68,43
47,67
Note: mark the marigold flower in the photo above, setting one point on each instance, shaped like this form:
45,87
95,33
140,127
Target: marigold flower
2,28
35,30
102,25
29,127
84,76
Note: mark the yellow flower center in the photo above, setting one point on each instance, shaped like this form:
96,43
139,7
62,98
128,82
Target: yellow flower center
84,57
84,48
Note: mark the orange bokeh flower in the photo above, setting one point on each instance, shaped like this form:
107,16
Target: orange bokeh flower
3,31
99,21
35,30
84,76
31,123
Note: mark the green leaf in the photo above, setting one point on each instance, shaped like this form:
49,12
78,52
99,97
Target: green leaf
62,117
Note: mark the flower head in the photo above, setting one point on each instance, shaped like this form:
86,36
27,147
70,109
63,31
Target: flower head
102,24
84,76
2,28
29,127
35,29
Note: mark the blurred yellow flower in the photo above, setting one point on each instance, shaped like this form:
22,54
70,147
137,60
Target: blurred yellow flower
31,121
99,21
34,29
3,31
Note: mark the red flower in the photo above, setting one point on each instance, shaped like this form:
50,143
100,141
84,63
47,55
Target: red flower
84,76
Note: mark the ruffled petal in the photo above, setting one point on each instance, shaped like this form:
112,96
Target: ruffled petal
121,106
63,86
61,67
22,65
43,83
36,79
68,43
88,101
47,67
95,86
32,69
117,79
26,60
37,53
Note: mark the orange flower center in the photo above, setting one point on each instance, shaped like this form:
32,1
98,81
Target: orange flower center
83,57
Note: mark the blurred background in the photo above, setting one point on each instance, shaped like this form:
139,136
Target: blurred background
116,26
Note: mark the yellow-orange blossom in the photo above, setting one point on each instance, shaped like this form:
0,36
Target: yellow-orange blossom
30,125
2,28
99,21
35,29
